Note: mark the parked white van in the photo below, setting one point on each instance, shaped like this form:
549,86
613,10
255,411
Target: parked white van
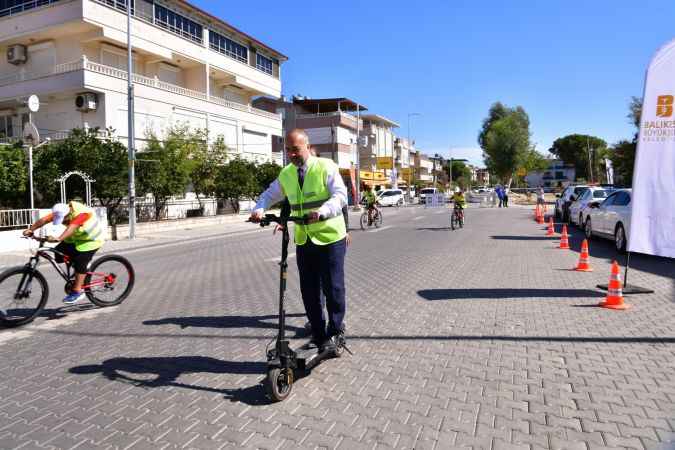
391,197
426,191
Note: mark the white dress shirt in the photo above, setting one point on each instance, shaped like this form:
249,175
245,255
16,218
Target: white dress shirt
331,207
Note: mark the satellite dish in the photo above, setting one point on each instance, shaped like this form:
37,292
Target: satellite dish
31,134
33,103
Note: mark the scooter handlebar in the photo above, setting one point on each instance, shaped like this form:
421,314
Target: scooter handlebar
273,218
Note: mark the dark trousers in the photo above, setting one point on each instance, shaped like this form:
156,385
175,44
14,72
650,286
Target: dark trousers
321,268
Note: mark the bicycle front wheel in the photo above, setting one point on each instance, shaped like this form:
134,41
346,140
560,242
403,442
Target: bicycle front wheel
453,221
109,281
364,220
23,294
378,220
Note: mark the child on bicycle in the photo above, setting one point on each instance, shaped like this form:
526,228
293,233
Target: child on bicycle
370,201
458,198
82,238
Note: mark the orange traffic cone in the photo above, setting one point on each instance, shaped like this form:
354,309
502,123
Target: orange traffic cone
564,239
540,219
551,229
584,265
536,213
614,299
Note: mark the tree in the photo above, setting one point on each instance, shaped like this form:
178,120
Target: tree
623,161
164,169
265,174
204,162
13,176
104,159
235,180
578,149
505,139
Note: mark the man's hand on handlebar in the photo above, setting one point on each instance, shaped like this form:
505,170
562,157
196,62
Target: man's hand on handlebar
255,217
28,233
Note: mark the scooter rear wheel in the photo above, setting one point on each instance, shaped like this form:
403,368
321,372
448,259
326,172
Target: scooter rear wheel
279,383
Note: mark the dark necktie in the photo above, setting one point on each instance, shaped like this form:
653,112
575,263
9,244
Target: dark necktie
301,176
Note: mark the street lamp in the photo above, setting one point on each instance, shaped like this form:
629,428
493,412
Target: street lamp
409,141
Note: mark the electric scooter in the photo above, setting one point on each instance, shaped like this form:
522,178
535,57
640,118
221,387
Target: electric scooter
283,362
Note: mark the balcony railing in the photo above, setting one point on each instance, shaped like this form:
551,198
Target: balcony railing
25,6
85,64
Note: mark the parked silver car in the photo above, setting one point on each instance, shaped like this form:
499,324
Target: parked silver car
564,200
593,193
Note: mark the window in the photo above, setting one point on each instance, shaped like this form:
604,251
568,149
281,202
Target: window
599,194
228,47
6,129
609,201
559,175
622,199
178,24
263,63
9,7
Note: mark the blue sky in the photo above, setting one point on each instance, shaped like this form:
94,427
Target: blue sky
573,65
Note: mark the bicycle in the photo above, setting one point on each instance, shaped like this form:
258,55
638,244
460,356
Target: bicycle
24,291
457,218
375,218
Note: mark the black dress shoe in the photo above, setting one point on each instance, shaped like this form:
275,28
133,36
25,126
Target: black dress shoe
328,346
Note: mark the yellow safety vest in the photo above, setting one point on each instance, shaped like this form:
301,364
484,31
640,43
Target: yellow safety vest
90,235
313,194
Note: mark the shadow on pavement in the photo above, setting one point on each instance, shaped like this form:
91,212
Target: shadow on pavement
524,238
434,229
165,371
228,322
501,293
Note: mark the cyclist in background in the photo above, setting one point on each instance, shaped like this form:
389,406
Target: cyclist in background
82,238
371,201
458,198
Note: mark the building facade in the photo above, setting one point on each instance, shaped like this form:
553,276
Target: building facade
558,174
189,68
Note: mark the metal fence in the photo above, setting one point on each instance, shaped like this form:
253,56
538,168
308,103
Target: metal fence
17,218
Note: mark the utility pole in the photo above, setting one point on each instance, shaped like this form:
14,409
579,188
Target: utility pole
130,132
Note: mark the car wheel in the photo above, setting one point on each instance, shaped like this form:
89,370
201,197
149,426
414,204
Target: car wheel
620,239
581,221
588,230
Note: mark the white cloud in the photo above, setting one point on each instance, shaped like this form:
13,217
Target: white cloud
474,155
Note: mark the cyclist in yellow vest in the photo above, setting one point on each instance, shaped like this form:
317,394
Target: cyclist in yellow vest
314,188
82,238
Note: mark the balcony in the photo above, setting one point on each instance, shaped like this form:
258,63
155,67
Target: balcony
84,66
329,118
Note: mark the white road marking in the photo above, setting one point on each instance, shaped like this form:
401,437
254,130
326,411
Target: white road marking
381,229
418,218
186,241
69,319
278,259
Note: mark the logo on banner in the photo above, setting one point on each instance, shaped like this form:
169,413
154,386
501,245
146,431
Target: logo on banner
664,105
660,130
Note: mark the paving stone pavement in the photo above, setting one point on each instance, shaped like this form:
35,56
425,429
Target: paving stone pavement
478,338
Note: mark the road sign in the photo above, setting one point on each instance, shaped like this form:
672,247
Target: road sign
33,103
384,162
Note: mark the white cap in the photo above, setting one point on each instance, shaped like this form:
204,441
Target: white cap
456,188
59,211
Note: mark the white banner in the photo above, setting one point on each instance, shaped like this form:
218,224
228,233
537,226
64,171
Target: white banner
609,171
652,227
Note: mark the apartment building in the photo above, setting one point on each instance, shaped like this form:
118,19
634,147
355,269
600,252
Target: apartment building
404,158
189,68
558,174
424,168
376,150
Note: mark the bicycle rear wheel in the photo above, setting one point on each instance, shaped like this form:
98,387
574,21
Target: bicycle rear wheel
23,294
109,281
461,220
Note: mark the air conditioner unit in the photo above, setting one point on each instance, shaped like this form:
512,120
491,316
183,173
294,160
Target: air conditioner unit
87,101
17,54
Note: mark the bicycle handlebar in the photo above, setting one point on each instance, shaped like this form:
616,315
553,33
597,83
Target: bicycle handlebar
41,240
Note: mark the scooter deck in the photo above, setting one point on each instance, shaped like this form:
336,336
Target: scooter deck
308,357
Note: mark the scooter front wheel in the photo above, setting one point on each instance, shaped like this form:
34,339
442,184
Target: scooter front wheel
279,383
